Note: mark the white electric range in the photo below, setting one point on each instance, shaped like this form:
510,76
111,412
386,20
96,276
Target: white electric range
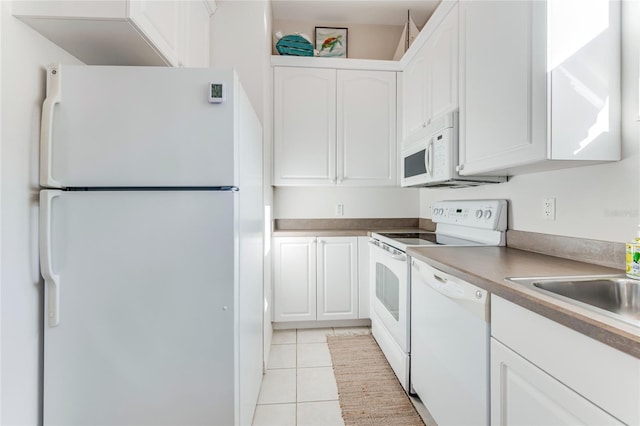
458,223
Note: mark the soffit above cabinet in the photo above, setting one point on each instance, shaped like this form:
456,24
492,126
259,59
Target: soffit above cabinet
97,42
98,32
376,12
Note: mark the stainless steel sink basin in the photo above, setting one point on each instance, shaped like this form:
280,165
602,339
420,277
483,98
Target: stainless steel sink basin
616,295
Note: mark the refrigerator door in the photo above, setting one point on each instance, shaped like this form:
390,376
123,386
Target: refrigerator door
105,126
145,283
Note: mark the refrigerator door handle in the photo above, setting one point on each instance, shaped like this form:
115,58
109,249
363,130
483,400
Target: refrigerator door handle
51,279
46,127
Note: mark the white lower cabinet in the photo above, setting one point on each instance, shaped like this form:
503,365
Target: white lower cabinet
524,394
543,373
315,278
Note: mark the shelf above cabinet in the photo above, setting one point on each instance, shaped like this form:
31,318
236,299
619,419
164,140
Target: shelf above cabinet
335,63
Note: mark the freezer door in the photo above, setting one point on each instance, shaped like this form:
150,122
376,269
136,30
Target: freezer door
146,283
106,126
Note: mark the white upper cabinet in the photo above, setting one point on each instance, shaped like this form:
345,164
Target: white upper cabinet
366,128
195,46
160,22
540,83
304,126
334,127
430,78
416,110
443,47
123,32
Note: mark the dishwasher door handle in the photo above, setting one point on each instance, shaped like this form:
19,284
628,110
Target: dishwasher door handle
474,298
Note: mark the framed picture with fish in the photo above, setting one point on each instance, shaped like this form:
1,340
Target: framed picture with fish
331,42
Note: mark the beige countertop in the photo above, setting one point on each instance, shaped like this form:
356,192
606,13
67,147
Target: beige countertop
487,267
340,232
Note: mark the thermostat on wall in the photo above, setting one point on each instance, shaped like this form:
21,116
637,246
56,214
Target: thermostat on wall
217,93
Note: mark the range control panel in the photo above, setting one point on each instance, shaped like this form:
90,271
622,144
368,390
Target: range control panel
484,214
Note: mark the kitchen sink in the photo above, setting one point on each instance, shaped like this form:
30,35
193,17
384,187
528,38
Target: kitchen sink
615,296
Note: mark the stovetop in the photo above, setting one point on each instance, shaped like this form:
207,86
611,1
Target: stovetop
412,238
403,240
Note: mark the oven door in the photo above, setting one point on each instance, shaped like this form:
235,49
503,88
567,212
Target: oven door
390,301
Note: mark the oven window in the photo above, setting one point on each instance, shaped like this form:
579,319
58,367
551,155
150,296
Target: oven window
414,164
388,289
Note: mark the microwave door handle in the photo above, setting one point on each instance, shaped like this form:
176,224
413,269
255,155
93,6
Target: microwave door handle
429,157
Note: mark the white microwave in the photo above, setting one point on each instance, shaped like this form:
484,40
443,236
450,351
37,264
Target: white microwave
430,157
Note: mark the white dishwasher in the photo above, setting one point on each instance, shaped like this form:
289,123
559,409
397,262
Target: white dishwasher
450,333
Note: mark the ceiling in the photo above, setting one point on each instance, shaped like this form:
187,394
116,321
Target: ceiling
389,12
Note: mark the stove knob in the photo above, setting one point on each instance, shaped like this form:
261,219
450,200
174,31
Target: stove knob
440,211
487,214
479,214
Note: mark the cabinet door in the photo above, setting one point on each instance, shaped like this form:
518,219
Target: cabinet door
337,268
502,85
443,87
196,38
415,80
521,393
366,127
294,280
162,23
304,126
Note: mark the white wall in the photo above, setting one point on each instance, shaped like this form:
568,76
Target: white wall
599,202
25,55
294,202
241,38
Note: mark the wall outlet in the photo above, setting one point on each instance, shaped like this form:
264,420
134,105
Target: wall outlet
339,210
549,208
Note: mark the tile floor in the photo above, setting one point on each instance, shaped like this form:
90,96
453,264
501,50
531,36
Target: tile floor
299,387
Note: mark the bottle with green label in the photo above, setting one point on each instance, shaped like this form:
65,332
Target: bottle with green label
633,257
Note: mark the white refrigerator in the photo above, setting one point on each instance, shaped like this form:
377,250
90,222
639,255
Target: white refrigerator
151,247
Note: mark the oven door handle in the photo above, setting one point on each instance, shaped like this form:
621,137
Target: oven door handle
395,256
401,257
